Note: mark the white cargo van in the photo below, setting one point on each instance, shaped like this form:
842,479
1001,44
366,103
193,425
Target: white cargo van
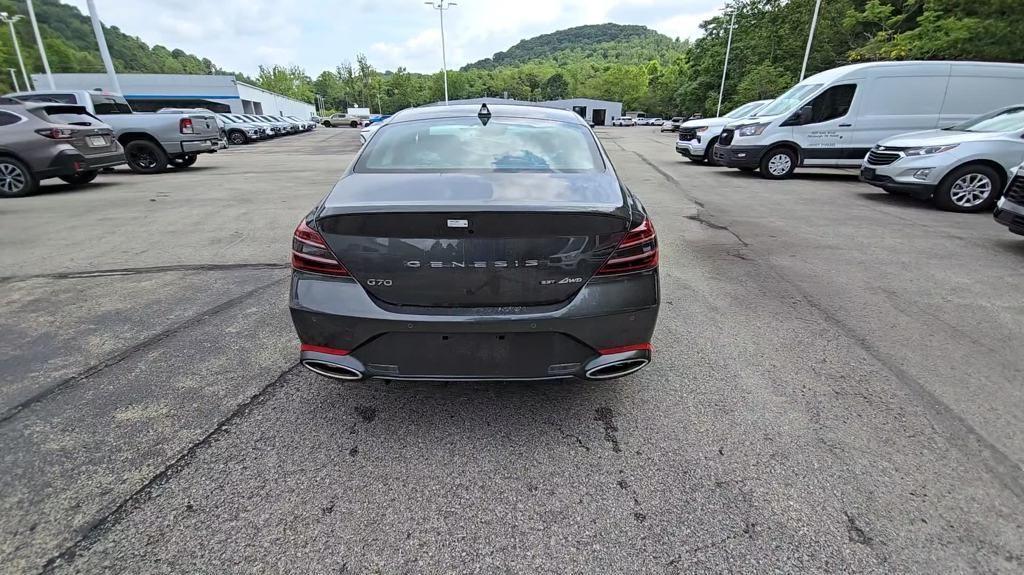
834,118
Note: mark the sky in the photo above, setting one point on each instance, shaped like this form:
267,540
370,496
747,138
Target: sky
240,35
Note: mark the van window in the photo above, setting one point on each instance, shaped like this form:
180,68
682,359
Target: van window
832,103
788,101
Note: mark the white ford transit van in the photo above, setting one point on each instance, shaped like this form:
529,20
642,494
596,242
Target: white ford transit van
834,118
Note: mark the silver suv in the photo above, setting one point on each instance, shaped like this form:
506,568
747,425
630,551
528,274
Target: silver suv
52,140
963,168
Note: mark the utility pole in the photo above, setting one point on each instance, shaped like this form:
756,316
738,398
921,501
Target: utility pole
441,6
725,68
97,29
810,39
4,17
39,42
14,79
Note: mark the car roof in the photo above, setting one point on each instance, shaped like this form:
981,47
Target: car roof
496,110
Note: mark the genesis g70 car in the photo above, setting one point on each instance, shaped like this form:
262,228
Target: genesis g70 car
477,243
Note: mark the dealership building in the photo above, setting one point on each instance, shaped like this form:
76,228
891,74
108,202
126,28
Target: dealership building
219,93
600,112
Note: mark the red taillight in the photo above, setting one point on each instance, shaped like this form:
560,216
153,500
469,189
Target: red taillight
57,133
637,252
311,254
185,126
625,348
322,349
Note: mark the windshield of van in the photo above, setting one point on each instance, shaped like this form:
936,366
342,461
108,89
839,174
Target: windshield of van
1007,120
788,101
744,110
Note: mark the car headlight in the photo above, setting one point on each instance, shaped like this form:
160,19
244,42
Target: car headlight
752,129
929,150
701,129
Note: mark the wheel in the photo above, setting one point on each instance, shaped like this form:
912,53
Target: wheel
709,152
353,124
238,137
184,161
81,177
145,157
972,188
778,163
327,123
16,179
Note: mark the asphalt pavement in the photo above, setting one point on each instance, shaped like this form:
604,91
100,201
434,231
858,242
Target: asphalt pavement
837,387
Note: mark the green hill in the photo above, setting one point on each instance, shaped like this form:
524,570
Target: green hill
71,46
606,43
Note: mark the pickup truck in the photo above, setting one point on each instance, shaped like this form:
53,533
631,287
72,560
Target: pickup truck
344,120
151,141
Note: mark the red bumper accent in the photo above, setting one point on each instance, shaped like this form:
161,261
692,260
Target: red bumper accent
634,347
322,349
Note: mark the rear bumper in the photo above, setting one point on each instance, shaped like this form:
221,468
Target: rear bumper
71,162
739,156
608,320
1010,215
204,146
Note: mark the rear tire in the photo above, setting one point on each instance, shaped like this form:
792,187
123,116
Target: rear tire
971,188
81,178
16,180
184,161
145,157
778,163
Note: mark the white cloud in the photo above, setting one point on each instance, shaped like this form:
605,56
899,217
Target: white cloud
319,34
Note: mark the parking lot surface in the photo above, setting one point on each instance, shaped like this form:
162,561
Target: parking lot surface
836,388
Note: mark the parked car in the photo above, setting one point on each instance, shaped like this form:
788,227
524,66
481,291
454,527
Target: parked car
242,132
306,125
199,113
963,168
623,121
46,140
272,129
672,125
655,121
343,120
1010,208
282,126
151,141
544,264
832,119
697,137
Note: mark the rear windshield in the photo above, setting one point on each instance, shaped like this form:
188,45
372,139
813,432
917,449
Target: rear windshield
104,104
75,115
466,144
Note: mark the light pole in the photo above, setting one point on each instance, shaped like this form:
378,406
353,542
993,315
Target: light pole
97,29
17,50
39,42
14,79
441,6
725,68
810,38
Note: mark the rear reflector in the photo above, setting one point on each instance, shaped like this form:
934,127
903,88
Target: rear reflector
311,254
625,348
322,349
185,125
637,252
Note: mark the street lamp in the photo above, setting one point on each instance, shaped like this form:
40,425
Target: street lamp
728,47
441,6
810,38
4,17
39,42
14,79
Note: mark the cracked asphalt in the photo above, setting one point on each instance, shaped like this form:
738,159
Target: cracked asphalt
836,388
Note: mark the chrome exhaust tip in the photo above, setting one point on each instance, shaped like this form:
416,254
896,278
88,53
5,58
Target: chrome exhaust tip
332,370
617,368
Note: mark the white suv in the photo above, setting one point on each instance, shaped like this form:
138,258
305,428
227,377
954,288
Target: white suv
963,168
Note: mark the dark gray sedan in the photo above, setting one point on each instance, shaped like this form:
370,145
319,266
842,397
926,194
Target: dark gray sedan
476,243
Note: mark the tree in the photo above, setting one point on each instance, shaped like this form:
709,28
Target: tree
555,87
